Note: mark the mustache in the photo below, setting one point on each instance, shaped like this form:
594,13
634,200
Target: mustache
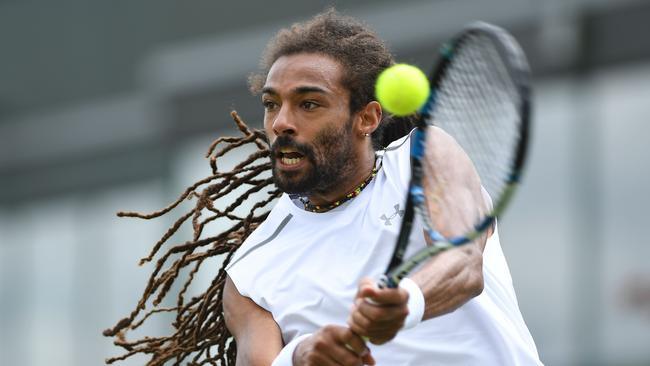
285,141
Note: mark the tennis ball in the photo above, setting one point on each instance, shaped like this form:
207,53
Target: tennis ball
402,89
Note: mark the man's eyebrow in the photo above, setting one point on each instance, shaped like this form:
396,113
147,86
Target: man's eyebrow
297,90
268,90
309,89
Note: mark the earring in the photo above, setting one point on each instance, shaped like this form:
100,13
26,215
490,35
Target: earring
366,134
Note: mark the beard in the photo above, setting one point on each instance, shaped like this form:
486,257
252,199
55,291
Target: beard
331,160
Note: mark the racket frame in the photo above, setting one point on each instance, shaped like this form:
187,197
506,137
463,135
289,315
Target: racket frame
517,67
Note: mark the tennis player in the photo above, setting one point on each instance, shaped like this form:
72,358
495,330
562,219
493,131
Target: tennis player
301,289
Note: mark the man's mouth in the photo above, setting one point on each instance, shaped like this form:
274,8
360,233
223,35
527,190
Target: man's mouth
289,156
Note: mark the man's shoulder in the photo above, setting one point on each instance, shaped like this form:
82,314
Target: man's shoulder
266,231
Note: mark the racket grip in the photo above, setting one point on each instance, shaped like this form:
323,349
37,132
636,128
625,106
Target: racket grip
386,282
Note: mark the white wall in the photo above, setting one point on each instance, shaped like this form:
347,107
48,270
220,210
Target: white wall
560,272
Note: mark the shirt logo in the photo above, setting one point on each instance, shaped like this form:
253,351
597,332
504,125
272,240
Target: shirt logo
387,219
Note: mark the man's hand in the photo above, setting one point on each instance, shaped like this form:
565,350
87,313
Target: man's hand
378,314
332,345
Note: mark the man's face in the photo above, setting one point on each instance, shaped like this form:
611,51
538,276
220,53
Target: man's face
309,125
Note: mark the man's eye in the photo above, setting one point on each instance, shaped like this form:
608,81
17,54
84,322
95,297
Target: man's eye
269,105
309,105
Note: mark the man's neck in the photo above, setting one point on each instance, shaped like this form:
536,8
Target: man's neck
359,175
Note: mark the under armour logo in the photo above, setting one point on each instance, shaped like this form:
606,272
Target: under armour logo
387,220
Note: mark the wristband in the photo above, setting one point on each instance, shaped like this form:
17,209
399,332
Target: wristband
285,357
415,303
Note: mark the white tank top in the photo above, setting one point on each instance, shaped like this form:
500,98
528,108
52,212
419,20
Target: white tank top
304,268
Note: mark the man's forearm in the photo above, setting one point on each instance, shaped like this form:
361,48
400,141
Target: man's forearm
450,279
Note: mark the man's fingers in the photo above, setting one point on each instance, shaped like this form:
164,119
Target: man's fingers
324,360
349,349
359,324
367,288
384,296
368,359
365,327
333,345
354,343
381,312
378,314
358,345
339,356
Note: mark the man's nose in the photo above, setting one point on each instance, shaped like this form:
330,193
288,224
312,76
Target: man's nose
283,124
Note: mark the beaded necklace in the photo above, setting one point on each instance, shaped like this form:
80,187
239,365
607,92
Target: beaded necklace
355,192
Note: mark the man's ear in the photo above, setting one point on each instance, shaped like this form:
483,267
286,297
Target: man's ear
369,118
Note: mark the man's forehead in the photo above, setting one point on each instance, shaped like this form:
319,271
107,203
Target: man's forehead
303,71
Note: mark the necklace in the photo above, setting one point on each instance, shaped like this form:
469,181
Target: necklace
355,192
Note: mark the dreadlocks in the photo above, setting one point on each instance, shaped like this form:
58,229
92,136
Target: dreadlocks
200,330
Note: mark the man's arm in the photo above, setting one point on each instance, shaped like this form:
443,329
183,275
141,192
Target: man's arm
453,277
257,335
449,279
259,340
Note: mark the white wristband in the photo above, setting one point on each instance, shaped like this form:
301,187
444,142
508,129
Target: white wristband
285,357
415,303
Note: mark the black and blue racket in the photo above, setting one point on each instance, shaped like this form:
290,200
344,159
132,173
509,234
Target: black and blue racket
480,95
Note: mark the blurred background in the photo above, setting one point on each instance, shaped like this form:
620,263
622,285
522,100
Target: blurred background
108,106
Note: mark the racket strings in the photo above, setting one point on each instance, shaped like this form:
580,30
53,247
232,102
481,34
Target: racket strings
488,97
478,104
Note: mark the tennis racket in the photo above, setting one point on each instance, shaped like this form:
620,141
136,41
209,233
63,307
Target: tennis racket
480,95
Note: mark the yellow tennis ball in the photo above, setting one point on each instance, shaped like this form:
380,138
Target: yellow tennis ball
402,89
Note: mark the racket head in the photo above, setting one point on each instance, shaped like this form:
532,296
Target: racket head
479,104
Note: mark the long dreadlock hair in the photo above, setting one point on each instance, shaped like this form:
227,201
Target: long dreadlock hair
200,335
200,330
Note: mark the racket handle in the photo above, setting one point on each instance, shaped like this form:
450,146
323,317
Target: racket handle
386,282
